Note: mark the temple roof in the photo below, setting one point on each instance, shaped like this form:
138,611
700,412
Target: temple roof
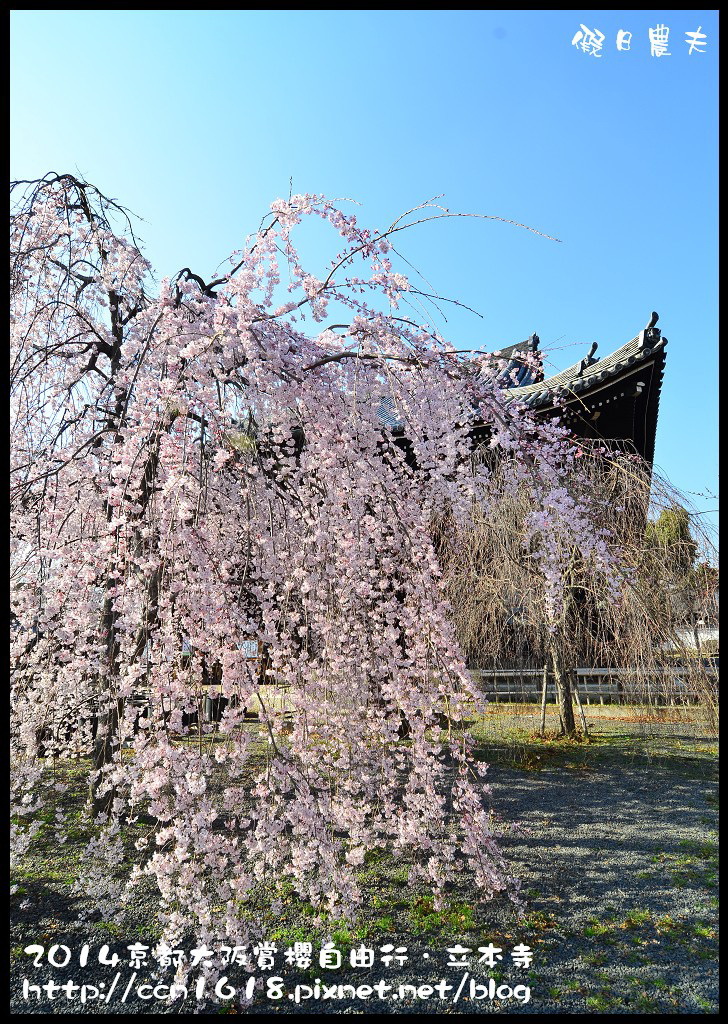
614,399
523,363
580,378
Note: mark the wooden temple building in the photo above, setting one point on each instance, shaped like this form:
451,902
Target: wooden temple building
614,399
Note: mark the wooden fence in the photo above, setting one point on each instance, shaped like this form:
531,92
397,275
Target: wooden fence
603,685
665,686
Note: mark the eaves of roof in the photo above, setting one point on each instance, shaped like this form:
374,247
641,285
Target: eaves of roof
579,378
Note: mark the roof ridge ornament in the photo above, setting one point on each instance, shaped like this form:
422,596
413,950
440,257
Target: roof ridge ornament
589,359
651,334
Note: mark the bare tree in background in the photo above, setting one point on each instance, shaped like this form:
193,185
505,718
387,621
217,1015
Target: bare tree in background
503,603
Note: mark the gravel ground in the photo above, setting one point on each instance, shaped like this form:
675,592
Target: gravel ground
617,864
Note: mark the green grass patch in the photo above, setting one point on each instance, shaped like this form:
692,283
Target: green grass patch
452,920
601,1002
696,863
524,749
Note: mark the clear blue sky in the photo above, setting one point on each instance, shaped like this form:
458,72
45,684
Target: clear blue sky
197,120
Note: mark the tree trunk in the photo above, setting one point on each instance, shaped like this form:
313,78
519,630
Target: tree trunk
108,715
582,716
543,699
562,676
107,729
